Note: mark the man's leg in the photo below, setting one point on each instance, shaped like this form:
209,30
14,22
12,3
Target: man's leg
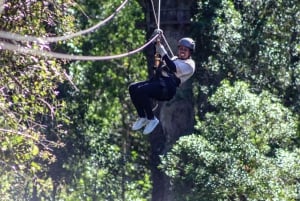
135,98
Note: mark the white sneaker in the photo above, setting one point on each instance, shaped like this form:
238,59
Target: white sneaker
140,123
151,126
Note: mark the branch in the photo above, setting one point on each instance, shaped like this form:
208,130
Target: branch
51,108
29,137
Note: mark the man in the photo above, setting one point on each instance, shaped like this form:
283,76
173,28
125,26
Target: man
163,85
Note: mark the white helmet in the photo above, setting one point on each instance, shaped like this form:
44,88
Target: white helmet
187,42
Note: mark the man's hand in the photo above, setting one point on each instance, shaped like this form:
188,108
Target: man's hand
160,49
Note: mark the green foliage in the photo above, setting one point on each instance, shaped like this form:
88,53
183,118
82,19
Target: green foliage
245,141
32,118
252,41
106,159
107,182
245,146
244,150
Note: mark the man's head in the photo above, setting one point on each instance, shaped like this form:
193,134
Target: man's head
186,46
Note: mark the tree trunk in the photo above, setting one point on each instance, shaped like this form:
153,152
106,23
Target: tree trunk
177,115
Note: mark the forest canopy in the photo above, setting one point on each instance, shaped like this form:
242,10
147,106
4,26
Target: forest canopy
65,125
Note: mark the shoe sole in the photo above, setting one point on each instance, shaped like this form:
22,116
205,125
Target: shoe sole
148,132
138,128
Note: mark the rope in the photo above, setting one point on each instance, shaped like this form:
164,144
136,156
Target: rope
158,24
24,50
154,12
36,52
168,45
18,37
158,19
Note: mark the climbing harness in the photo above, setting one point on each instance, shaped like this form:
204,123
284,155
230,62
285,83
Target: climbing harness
157,56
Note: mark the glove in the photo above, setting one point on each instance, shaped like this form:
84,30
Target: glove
160,49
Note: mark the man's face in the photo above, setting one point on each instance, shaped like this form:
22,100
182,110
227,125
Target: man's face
183,52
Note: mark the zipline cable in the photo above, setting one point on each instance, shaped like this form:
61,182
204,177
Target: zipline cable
24,50
18,37
37,52
154,12
168,45
157,20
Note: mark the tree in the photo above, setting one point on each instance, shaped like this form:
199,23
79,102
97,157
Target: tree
32,118
177,115
244,131
243,151
106,160
255,42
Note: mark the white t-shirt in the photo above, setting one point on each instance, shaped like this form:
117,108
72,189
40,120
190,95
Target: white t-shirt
184,68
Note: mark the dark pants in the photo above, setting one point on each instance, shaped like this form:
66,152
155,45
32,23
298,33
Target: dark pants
141,93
